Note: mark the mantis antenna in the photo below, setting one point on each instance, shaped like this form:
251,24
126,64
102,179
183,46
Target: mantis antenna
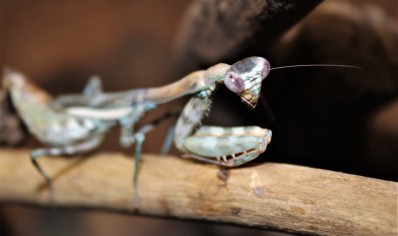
316,65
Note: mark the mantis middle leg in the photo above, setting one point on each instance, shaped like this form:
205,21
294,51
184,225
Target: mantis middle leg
84,146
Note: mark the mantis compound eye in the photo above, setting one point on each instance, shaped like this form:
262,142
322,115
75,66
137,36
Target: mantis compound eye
234,83
266,69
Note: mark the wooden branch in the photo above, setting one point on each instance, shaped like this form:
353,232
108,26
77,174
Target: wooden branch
277,196
213,31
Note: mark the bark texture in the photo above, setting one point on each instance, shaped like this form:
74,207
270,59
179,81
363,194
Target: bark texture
277,196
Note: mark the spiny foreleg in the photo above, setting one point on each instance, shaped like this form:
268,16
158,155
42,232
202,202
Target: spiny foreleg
230,147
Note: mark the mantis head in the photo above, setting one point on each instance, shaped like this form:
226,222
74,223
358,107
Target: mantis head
244,78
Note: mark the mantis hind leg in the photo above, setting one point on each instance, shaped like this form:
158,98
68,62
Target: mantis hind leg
67,150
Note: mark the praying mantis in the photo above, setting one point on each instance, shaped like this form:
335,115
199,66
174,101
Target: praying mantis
73,124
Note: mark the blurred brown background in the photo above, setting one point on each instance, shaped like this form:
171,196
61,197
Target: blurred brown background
332,118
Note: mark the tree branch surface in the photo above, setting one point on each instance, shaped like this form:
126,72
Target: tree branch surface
275,196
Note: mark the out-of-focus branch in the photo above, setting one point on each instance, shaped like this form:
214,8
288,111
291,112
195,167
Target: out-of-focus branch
215,30
277,196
